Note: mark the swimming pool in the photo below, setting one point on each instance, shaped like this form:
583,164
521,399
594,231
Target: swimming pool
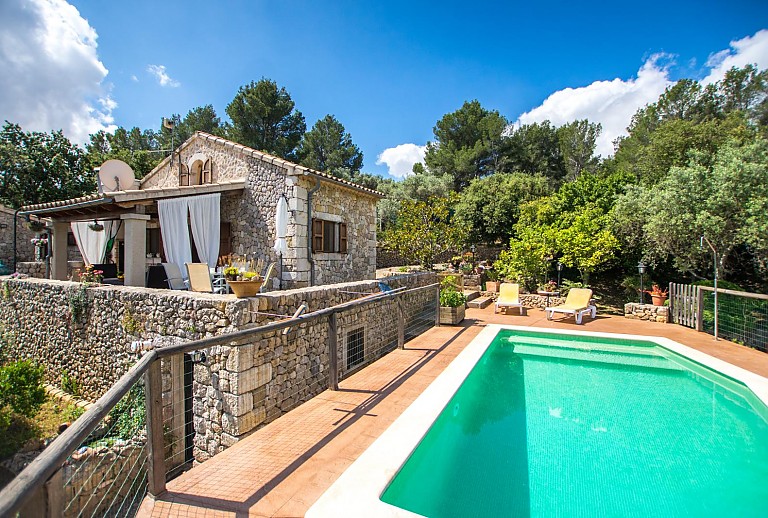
548,425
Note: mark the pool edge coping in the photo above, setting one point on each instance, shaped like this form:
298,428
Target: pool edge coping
358,489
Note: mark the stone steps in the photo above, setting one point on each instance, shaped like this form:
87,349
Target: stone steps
471,294
480,302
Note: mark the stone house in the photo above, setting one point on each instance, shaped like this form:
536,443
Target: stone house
25,250
330,235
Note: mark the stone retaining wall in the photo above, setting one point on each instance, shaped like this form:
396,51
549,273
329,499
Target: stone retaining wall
647,312
87,330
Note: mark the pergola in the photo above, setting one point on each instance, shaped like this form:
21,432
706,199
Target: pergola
129,206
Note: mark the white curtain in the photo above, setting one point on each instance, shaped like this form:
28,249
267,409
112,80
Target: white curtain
92,244
175,232
205,216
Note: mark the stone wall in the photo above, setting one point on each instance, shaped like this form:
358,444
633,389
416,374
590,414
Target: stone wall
647,312
87,331
335,203
25,251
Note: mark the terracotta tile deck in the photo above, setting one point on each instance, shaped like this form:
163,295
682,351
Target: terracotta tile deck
282,469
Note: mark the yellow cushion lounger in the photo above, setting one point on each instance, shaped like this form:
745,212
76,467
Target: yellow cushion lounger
509,297
576,304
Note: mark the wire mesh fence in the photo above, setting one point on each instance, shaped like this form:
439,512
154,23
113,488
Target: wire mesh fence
742,317
107,475
209,393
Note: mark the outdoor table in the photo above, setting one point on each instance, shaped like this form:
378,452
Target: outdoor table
549,294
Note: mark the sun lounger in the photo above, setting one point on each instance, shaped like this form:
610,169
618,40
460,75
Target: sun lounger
509,297
577,303
173,276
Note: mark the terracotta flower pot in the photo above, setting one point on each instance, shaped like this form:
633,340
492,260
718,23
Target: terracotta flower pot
243,289
658,300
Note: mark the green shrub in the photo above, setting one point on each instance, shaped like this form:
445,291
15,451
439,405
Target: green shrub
452,299
129,414
21,390
69,384
566,285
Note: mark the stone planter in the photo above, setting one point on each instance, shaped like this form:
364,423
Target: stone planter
243,289
492,286
451,316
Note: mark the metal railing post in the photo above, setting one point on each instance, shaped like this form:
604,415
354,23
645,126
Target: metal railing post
155,441
437,305
400,325
333,352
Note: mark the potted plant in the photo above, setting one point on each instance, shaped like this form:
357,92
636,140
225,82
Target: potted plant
35,225
547,287
231,273
492,284
452,302
658,296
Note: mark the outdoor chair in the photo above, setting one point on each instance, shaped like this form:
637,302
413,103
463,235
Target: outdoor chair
268,277
173,276
509,297
577,303
199,277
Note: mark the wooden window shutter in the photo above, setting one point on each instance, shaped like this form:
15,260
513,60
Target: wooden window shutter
183,175
207,174
317,235
343,238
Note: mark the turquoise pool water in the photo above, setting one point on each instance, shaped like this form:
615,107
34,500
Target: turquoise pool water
557,425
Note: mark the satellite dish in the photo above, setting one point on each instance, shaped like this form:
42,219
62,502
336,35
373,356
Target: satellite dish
168,123
115,175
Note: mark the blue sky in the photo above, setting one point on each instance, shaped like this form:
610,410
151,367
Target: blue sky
387,70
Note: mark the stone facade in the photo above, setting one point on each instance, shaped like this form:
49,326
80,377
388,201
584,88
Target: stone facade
25,251
252,214
647,312
87,332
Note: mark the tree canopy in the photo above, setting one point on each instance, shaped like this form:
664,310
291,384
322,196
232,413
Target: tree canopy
40,167
264,117
328,147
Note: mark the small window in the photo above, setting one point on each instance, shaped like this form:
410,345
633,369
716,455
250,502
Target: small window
206,175
329,236
355,347
183,175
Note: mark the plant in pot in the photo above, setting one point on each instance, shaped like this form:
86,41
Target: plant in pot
658,296
547,287
492,284
452,304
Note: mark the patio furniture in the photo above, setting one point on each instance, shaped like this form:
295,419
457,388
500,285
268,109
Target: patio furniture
110,273
577,303
173,276
199,277
268,276
219,281
156,277
509,297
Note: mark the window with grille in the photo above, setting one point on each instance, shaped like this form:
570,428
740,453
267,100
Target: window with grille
329,236
355,347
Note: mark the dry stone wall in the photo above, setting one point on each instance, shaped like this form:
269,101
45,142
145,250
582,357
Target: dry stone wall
86,331
647,312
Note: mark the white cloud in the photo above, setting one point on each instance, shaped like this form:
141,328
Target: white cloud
400,159
748,50
162,76
52,77
611,103
134,78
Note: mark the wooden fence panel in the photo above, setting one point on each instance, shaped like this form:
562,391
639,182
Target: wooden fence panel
684,304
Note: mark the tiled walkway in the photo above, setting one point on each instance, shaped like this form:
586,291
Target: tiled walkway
283,468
